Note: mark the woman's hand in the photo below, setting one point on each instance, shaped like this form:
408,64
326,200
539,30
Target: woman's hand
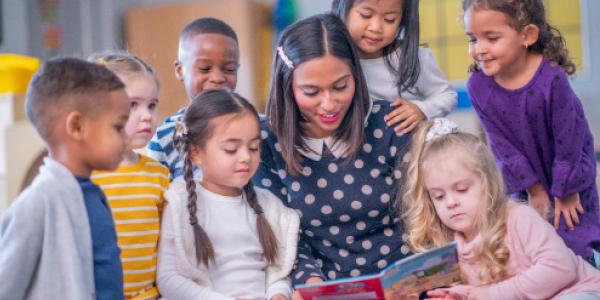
568,207
407,114
297,296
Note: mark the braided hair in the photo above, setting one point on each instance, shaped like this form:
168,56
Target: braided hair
194,131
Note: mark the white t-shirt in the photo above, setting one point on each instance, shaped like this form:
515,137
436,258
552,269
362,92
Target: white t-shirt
433,93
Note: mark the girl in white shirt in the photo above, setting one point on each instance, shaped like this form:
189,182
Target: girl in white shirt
386,33
221,238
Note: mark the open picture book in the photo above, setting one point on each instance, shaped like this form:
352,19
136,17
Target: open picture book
404,279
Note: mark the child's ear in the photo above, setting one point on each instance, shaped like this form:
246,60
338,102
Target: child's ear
530,34
178,70
74,125
195,156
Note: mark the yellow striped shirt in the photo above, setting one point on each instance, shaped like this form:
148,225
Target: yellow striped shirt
135,196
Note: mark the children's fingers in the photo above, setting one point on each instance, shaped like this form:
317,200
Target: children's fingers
574,216
579,208
556,216
568,220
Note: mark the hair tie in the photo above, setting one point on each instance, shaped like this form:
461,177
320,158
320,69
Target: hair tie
441,126
284,57
180,129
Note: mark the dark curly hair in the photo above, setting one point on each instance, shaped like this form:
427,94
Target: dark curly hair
521,13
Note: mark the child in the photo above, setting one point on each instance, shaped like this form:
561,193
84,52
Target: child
58,240
533,119
386,33
506,250
221,238
325,155
208,58
135,189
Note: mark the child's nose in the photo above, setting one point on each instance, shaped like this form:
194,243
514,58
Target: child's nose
375,25
217,76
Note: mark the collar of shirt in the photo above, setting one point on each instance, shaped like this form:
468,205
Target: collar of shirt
337,148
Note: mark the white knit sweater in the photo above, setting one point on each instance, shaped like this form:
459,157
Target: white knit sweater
189,280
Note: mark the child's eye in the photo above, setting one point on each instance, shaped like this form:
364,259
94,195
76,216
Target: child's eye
119,128
364,16
152,106
253,149
230,151
493,39
390,21
204,70
134,104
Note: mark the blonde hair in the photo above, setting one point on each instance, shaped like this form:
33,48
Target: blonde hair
123,64
424,227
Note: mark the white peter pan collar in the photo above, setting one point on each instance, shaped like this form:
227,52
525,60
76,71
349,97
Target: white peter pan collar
338,149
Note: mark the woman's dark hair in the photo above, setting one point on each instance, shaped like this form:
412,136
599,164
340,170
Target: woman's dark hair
312,38
521,13
197,119
405,47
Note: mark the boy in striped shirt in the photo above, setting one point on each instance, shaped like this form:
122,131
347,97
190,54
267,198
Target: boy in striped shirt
134,190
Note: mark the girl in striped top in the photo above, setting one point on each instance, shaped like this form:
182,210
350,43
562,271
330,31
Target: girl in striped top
135,189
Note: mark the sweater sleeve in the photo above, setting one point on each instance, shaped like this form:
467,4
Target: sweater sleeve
171,283
440,98
573,169
21,238
516,169
552,264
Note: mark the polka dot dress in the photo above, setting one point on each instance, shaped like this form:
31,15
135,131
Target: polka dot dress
347,227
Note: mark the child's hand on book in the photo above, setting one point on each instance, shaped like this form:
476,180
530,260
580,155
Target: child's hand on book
406,114
570,208
459,292
279,297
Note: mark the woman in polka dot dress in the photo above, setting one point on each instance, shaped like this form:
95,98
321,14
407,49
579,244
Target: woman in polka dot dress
328,153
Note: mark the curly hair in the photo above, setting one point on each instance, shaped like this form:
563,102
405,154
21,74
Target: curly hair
426,230
521,13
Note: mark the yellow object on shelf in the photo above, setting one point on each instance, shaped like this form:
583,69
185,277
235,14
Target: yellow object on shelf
16,71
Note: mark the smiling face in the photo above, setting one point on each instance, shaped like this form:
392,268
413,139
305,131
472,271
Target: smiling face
455,190
374,24
142,91
207,61
323,88
230,156
494,44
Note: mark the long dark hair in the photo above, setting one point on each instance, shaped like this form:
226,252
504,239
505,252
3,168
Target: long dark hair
521,13
406,42
311,38
197,119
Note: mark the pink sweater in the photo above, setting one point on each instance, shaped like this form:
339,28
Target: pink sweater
540,264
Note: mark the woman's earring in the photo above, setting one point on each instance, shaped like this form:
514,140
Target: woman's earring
526,45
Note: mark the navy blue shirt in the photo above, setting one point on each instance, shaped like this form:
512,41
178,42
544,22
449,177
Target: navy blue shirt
108,273
347,223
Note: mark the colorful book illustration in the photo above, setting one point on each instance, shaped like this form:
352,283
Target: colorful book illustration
405,279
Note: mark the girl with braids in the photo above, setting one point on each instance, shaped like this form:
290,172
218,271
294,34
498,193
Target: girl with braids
533,119
454,191
221,238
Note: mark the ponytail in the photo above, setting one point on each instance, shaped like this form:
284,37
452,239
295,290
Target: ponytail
267,238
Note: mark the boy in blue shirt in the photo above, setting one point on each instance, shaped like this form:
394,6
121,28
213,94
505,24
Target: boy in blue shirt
57,239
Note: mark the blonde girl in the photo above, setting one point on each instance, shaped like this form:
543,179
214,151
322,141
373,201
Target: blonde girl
454,192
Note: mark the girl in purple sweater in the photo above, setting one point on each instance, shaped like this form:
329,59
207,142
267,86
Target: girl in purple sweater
454,191
534,121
